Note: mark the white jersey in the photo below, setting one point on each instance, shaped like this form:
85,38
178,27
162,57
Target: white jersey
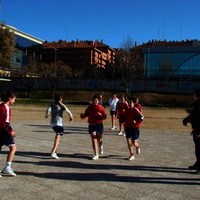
56,111
113,103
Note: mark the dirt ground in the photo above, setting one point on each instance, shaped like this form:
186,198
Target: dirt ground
160,172
154,118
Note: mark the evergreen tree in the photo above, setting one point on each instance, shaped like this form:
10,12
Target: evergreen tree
7,45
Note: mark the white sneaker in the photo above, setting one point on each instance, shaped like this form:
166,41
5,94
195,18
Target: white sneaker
8,171
120,133
131,157
138,151
95,157
101,150
54,156
113,128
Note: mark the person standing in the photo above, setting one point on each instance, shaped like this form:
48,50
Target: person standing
122,105
95,114
133,120
113,113
101,99
194,119
56,109
7,134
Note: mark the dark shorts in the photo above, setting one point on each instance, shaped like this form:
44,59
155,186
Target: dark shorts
132,133
98,128
121,118
59,130
6,139
113,112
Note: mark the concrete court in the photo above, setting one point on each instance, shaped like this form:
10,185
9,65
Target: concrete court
159,173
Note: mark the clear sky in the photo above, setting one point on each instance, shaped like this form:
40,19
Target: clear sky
112,21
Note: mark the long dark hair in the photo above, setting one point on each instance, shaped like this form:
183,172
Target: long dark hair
57,98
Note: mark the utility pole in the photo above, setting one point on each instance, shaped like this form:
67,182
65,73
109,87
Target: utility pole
55,64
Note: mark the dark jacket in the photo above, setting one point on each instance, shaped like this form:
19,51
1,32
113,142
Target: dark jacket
194,117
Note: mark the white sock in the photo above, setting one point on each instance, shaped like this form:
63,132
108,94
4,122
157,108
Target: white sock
8,165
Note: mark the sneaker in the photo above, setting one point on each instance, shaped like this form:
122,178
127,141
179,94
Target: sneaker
131,157
138,151
95,157
120,133
101,150
113,128
8,171
54,156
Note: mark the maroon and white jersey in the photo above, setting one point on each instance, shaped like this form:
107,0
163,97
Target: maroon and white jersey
5,118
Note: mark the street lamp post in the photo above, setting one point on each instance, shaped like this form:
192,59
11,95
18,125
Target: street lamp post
55,64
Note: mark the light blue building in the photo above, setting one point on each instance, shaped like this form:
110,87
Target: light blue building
172,61
23,47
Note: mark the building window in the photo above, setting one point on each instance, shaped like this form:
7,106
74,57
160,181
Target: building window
18,60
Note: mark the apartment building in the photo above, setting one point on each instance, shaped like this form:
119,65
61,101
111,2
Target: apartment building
81,56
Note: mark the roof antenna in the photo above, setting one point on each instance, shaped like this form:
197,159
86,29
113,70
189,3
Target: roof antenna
163,33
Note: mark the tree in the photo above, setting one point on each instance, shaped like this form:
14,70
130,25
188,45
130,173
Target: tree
53,72
7,45
129,63
165,66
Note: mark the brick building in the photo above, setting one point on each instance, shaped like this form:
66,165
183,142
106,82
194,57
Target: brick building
81,56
